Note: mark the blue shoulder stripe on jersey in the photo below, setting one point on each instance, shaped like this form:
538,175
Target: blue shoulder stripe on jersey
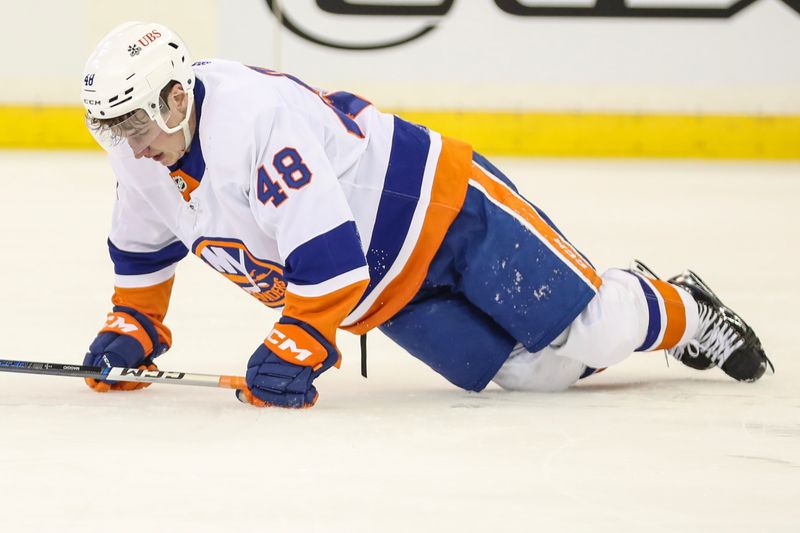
348,103
134,263
325,256
654,319
193,163
401,192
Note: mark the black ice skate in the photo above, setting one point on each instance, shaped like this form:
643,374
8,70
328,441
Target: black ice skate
723,339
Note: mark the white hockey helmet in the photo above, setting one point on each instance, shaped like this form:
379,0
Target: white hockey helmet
124,77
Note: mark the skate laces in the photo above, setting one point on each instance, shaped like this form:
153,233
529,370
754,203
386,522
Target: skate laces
715,339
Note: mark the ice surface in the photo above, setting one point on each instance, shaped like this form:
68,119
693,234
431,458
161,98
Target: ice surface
640,447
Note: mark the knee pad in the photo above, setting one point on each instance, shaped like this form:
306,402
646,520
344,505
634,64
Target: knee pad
543,371
612,325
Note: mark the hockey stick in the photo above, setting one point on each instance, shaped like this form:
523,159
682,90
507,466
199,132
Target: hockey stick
138,375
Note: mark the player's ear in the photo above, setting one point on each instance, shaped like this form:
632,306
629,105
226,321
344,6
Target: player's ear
177,100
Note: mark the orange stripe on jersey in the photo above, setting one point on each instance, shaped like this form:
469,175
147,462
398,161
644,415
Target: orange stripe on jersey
504,195
325,313
152,301
189,183
676,314
447,196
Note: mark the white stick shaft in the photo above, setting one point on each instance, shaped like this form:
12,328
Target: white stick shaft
139,375
163,376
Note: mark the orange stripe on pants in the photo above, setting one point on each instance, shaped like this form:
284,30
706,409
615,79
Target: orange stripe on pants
505,196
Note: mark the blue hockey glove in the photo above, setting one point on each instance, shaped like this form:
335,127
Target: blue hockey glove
128,340
281,371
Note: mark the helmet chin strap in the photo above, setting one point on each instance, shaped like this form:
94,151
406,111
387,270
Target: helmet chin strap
183,126
187,135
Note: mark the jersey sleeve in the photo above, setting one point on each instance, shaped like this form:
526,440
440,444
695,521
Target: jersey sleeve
296,197
144,253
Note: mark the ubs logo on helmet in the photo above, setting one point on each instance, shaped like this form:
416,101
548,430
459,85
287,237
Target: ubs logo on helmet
149,37
260,278
145,40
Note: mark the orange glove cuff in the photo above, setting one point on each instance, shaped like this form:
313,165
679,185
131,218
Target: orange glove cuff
125,324
295,345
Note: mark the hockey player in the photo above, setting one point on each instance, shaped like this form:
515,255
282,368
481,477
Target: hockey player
347,218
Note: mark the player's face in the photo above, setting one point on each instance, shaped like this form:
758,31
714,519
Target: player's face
165,148
156,144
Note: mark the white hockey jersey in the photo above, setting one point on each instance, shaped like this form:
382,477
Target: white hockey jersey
313,201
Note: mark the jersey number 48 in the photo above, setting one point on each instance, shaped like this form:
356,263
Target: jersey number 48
293,172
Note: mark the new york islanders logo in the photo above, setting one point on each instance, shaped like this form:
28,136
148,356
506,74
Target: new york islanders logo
260,278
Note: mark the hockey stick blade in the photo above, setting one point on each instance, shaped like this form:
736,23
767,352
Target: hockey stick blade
137,375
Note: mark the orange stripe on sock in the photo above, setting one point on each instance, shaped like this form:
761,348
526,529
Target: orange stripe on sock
447,197
676,314
504,195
